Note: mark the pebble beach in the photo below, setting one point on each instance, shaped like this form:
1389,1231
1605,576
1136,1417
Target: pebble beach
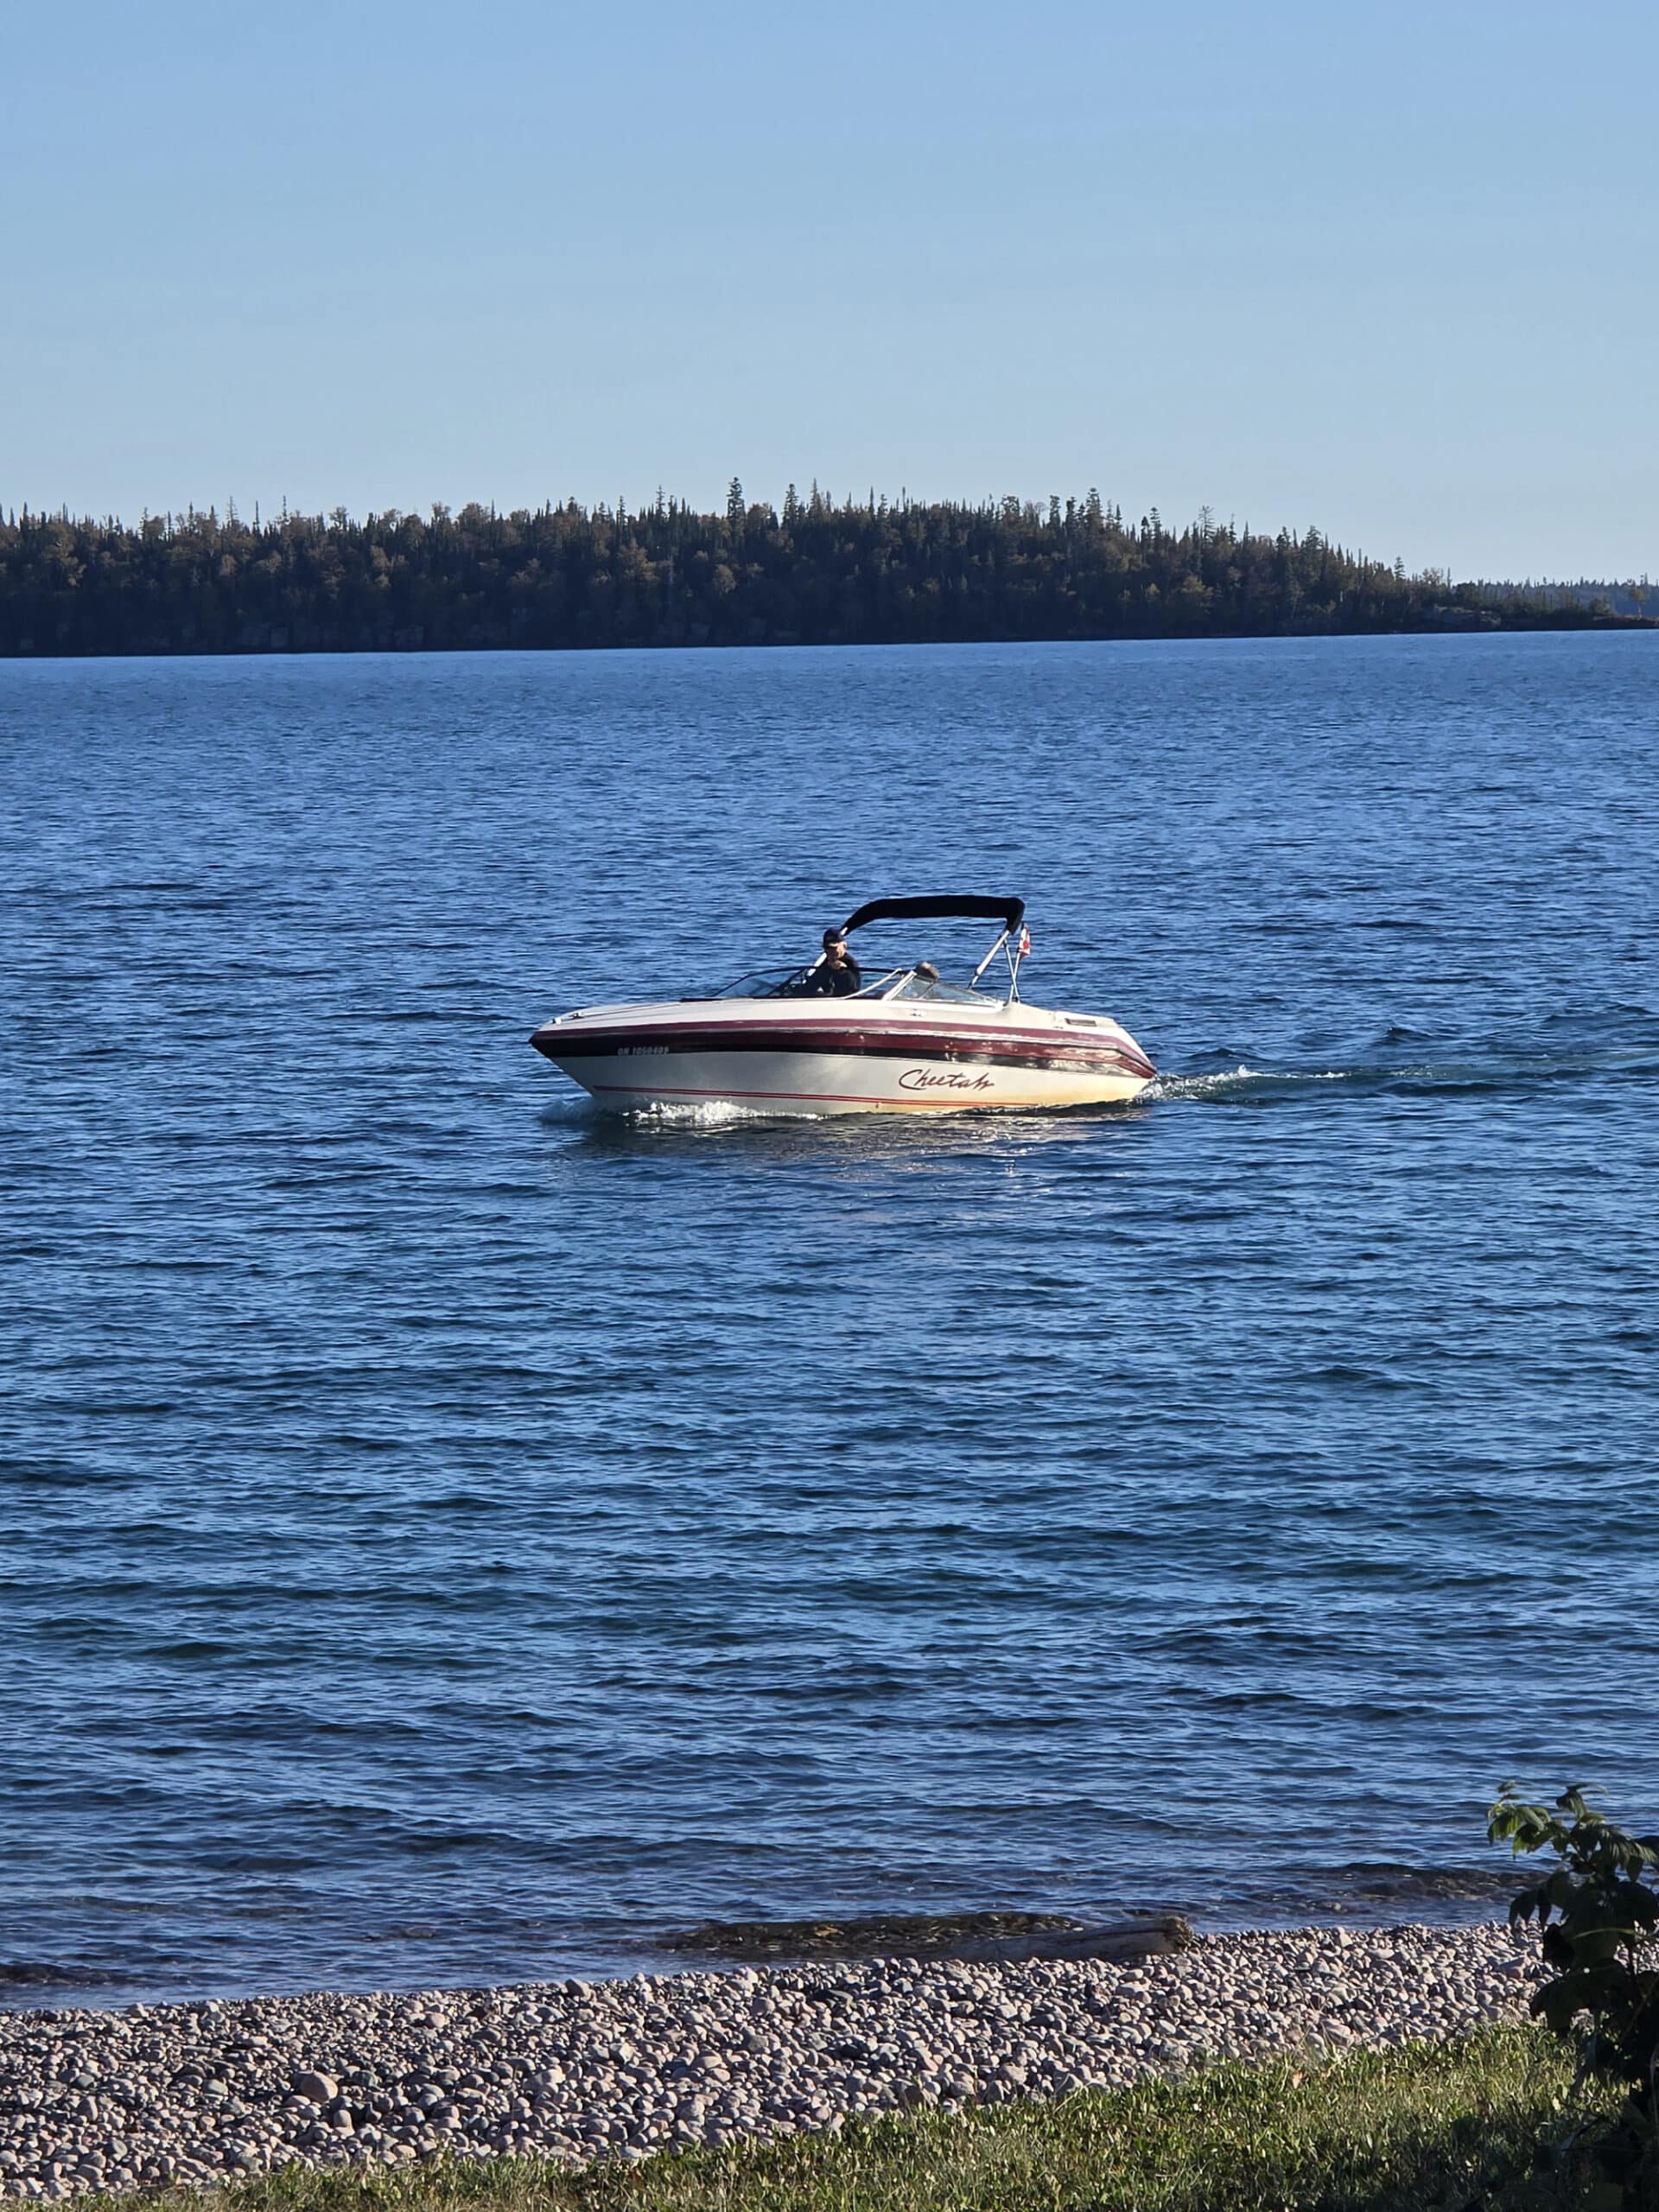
209,2092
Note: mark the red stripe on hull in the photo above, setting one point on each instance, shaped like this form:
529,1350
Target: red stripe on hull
1063,1052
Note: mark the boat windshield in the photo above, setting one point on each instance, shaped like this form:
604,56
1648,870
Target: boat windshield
895,983
766,983
930,987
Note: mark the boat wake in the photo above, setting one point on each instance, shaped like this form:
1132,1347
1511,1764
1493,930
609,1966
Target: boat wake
1497,1071
1238,1083
702,1114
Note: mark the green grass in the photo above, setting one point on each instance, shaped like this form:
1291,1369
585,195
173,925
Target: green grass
1427,2128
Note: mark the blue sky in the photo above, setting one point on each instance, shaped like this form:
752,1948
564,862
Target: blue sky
1388,270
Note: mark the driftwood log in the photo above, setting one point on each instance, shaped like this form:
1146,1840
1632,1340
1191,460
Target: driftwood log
1121,1940
937,1936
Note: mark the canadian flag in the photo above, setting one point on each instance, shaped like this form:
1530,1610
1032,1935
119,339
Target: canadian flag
1024,943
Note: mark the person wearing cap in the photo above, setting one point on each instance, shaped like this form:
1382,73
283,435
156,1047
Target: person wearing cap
837,976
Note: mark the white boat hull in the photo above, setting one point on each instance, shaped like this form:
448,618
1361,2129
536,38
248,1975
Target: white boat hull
891,1061
824,1082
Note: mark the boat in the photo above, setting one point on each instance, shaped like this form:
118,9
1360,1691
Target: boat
903,1041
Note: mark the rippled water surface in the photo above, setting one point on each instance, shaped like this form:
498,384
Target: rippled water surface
446,1535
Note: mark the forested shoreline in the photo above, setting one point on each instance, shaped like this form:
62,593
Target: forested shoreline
818,572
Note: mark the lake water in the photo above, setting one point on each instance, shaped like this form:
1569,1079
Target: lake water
449,1535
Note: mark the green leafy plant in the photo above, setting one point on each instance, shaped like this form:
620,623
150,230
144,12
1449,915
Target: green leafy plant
1596,1910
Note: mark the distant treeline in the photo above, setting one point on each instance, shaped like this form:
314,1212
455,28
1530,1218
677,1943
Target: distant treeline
821,572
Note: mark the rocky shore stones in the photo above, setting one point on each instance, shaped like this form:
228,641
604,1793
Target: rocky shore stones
198,2093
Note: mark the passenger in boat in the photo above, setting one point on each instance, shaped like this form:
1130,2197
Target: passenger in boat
837,976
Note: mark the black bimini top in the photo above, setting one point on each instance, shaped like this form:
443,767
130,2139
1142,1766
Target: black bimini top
1009,912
